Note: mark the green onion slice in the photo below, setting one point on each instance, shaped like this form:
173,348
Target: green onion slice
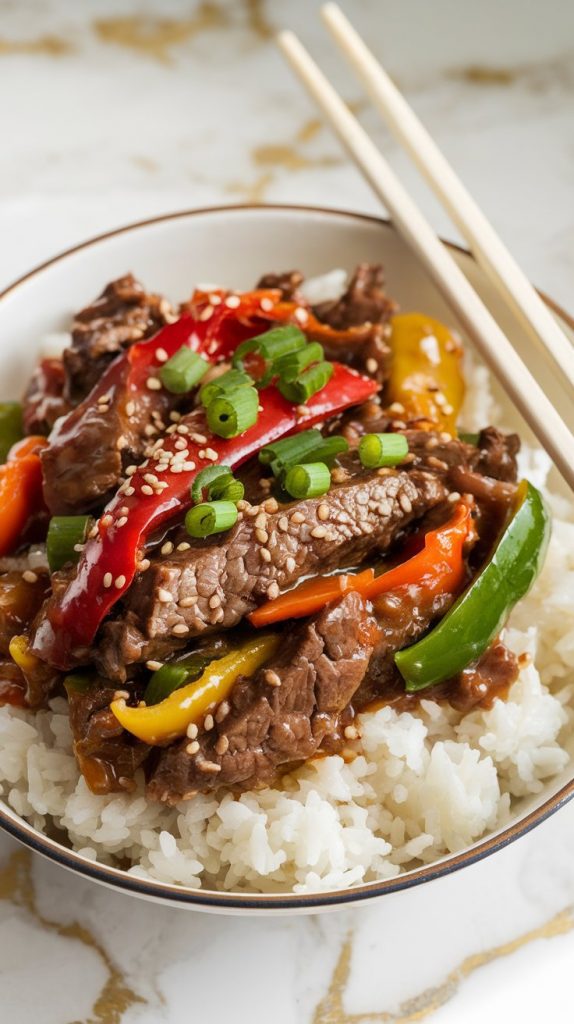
228,381
64,533
11,428
472,439
307,481
290,366
219,482
233,413
376,450
183,371
210,517
310,381
308,446
269,347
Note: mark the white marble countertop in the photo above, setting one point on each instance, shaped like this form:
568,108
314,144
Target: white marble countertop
114,111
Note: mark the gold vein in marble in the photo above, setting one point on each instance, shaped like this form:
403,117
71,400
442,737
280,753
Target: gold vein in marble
155,37
257,20
331,1008
48,46
17,887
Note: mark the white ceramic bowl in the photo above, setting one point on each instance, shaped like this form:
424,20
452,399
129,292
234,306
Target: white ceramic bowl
234,246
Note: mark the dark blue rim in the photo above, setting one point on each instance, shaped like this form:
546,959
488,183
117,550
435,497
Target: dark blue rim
208,899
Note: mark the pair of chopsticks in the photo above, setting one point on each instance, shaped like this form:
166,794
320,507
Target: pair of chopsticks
490,253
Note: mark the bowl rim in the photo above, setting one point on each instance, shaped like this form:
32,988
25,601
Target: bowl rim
212,899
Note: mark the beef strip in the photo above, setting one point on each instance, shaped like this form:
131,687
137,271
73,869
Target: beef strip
123,314
44,402
364,301
107,755
288,283
281,717
214,584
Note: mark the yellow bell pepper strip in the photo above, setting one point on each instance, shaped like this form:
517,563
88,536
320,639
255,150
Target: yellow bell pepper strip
21,498
439,567
426,377
169,719
476,618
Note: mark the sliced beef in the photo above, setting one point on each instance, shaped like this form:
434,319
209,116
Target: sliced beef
281,717
288,284
44,400
213,585
123,314
108,757
364,301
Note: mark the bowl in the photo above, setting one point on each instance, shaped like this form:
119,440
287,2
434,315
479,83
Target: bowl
234,246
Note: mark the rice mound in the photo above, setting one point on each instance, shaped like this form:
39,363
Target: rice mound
419,786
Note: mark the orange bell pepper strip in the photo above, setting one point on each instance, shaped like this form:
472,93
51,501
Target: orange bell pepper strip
20,490
438,567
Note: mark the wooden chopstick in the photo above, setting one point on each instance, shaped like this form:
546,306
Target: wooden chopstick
488,249
476,319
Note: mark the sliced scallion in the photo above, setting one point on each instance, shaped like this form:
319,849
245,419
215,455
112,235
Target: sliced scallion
307,481
472,439
289,367
210,517
227,489
64,533
183,371
233,413
11,428
267,348
290,449
376,450
308,384
219,483
228,381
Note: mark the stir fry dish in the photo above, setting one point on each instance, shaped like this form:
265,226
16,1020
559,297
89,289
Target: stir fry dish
229,528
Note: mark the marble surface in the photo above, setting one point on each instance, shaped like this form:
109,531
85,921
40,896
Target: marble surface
113,111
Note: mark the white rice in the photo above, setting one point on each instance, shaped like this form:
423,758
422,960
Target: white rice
420,786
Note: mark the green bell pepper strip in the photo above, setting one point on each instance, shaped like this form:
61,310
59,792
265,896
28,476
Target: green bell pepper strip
478,615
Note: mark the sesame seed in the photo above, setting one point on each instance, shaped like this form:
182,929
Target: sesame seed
79,548
437,463
206,313
192,731
29,576
154,666
262,536
318,532
261,521
454,496
180,629
188,602
121,443
266,304
153,384
253,511
144,565
181,445
167,548
192,748
271,505
120,582
121,522
175,416
146,489
290,564
273,590
323,512
298,518
93,532
405,503
130,408
372,365
222,711
184,546
189,466
150,478
215,300
211,455
265,554
209,767
107,520
198,438
164,596
208,723
222,745
232,301
445,436
161,355
121,695
350,733
214,601
397,408
271,678
150,431
302,410
131,470
108,580
338,475
128,491
283,524
301,315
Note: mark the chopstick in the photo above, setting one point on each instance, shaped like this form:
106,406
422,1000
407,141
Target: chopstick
488,249
476,319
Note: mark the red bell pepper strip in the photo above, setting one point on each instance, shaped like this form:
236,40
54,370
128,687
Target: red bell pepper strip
20,490
437,568
152,495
